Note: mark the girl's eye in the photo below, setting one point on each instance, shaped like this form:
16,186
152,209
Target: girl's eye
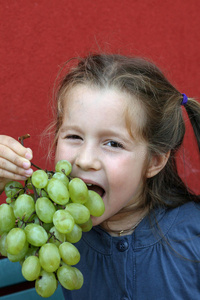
73,136
115,144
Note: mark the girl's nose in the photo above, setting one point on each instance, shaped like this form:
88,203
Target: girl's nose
87,159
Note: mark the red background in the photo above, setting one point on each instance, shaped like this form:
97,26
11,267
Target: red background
36,37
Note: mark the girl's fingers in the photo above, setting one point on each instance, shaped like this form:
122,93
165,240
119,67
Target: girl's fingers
11,168
8,176
14,161
8,155
15,146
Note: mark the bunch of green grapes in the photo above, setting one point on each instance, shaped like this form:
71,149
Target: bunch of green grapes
40,222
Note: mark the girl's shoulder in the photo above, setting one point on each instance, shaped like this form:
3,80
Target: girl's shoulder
186,216
190,211
186,225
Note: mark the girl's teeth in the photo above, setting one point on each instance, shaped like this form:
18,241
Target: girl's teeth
89,184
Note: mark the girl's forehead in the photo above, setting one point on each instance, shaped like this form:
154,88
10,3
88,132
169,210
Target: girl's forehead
107,101
106,96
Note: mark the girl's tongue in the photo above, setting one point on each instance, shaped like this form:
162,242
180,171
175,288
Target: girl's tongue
96,189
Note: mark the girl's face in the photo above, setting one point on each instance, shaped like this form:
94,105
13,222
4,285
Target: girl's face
95,139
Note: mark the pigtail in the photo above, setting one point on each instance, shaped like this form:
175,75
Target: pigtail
193,110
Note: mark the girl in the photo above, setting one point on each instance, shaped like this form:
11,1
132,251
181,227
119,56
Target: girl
120,124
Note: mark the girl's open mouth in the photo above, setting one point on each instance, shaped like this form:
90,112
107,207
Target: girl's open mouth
99,190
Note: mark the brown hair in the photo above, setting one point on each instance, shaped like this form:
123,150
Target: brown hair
163,127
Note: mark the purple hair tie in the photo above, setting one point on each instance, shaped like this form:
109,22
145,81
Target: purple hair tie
185,99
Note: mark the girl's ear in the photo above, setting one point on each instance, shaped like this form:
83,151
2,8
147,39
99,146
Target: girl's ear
157,163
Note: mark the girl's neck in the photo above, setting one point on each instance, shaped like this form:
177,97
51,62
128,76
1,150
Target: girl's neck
124,223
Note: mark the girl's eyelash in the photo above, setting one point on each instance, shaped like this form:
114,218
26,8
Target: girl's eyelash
115,144
73,136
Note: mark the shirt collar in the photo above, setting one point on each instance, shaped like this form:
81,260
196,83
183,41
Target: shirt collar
150,231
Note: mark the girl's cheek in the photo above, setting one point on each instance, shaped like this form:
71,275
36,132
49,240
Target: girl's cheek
64,153
58,154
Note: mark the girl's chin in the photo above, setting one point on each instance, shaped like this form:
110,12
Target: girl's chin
96,220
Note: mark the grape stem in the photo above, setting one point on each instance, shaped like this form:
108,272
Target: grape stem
21,139
32,164
33,213
17,193
17,187
27,221
36,196
53,235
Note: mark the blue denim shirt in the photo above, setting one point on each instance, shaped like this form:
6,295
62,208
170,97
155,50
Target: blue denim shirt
156,262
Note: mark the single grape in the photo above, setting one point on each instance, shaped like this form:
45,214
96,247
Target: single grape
45,209
69,253
39,179
79,212
75,235
78,191
7,218
46,284
63,221
49,257
31,268
15,240
36,234
87,226
12,188
62,177
67,277
20,256
63,166
95,204
58,191
24,207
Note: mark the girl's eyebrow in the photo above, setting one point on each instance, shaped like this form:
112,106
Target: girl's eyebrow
67,127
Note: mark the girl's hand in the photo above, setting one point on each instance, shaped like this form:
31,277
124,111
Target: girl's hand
14,161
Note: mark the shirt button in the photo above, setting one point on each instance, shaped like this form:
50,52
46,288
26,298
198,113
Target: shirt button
122,246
